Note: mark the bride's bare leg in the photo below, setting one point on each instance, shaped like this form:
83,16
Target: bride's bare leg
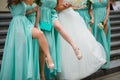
43,45
67,38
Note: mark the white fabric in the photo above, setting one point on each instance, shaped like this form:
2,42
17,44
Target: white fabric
92,52
116,7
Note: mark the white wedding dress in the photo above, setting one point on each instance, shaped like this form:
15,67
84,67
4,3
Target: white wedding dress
93,54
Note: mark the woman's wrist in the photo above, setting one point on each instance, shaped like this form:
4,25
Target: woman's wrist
92,18
36,25
33,10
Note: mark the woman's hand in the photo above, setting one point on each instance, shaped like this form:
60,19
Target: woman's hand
60,7
83,7
105,21
36,8
92,21
66,4
36,25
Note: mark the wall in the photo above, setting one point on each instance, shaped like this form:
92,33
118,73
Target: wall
3,4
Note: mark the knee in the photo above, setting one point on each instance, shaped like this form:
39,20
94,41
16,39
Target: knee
40,33
58,27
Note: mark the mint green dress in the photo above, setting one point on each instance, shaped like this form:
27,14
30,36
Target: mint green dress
99,12
47,17
17,62
32,18
84,13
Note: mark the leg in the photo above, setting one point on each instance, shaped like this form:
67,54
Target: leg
44,46
67,38
42,63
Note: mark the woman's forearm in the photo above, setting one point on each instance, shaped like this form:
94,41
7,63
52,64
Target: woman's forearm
108,10
30,11
91,13
37,18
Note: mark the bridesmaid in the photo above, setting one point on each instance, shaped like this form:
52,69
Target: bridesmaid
49,22
32,13
53,43
18,63
85,9
33,17
101,10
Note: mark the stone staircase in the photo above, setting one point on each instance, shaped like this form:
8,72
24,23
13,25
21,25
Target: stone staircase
115,34
5,18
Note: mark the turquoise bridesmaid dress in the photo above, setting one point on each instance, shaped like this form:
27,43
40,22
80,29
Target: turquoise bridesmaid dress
32,18
17,62
47,16
99,12
84,13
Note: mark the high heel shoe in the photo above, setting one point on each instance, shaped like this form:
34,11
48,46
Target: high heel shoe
77,53
51,66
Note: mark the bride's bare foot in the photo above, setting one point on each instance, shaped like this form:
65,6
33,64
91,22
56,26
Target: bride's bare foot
49,63
77,53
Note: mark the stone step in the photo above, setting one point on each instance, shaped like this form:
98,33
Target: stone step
115,54
114,67
1,46
112,12
117,51
115,48
115,23
2,41
115,44
5,15
115,29
2,36
5,20
0,63
4,27
115,37
4,24
114,17
112,76
1,53
3,32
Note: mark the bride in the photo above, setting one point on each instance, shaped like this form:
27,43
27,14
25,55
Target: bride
93,54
